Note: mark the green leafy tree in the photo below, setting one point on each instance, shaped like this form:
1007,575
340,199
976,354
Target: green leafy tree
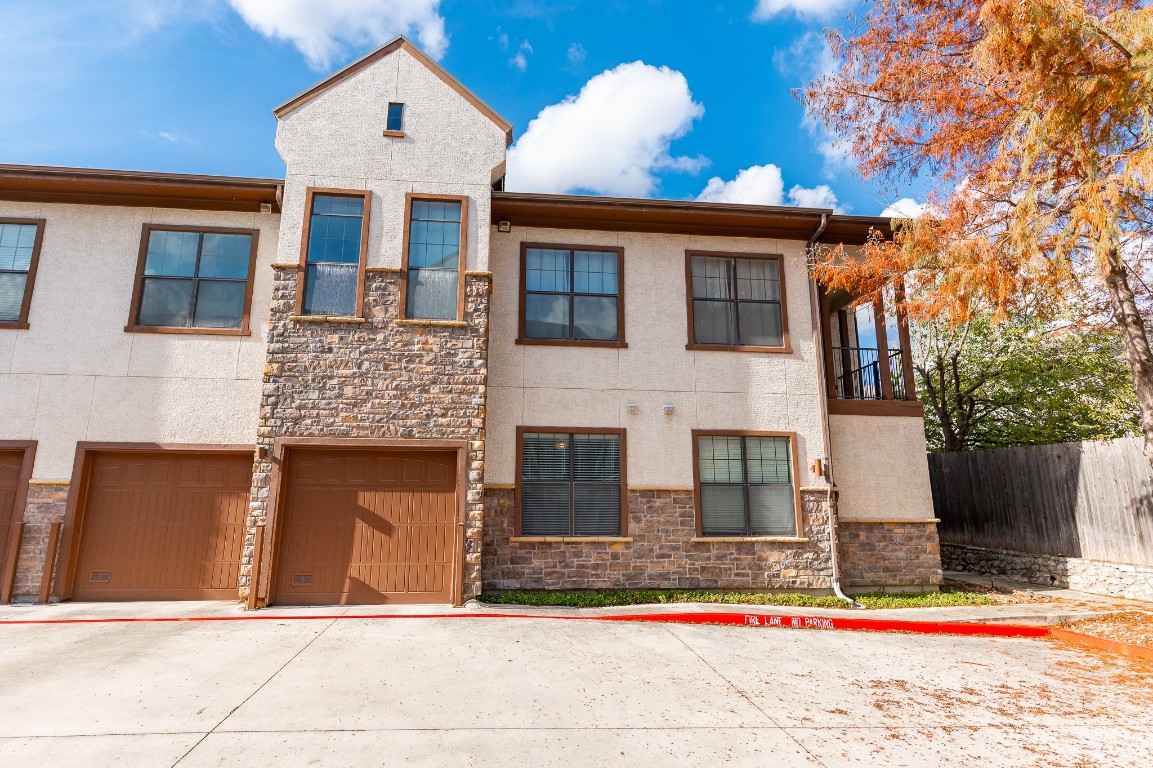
1020,382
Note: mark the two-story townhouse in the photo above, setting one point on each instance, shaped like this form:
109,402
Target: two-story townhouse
383,379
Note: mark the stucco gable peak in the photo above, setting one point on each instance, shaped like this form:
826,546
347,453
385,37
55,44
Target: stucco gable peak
374,56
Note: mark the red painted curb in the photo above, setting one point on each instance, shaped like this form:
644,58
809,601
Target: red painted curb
1102,644
743,619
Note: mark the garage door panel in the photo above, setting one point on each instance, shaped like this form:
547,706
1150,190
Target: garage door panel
366,527
163,527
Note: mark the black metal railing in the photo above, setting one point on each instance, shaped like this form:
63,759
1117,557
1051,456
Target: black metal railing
857,373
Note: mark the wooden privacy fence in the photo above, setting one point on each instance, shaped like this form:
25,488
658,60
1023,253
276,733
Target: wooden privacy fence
1092,500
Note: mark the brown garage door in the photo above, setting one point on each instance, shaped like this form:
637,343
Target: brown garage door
367,527
163,526
10,465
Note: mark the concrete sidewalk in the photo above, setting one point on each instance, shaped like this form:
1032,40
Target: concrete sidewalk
1065,605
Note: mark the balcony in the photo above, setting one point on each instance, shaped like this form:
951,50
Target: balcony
869,368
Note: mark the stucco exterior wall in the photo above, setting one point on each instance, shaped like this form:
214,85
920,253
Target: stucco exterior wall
75,374
335,141
536,385
880,468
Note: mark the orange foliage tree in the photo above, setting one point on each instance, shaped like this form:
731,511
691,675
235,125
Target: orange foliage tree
1033,119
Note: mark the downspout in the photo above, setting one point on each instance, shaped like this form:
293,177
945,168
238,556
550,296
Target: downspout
826,434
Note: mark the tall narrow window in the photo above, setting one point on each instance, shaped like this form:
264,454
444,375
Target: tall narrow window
190,278
335,249
736,302
19,253
570,484
434,259
395,117
745,485
571,294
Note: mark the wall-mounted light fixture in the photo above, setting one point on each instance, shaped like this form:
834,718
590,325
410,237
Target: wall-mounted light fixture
631,407
669,409
503,226
266,207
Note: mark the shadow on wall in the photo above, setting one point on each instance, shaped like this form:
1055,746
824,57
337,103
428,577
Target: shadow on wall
1091,500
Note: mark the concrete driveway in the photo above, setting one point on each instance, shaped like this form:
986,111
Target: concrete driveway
513,691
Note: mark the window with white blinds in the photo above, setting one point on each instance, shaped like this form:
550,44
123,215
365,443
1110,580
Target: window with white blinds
570,484
746,486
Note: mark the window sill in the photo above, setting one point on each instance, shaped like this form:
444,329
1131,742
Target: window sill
737,348
434,323
326,319
393,134
570,540
187,331
749,539
12,326
572,343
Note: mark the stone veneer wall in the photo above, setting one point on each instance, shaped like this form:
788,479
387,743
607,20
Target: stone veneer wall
46,505
1096,576
376,379
658,552
892,556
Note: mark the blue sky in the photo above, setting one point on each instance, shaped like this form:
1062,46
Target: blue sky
680,99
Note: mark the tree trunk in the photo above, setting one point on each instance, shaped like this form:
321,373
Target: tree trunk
1136,341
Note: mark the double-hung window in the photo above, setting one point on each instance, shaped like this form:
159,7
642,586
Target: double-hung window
570,483
745,484
572,295
20,241
335,245
434,258
190,278
737,302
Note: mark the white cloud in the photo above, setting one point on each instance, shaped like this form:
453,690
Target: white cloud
767,9
905,208
576,55
611,138
323,30
520,60
764,185
758,185
809,56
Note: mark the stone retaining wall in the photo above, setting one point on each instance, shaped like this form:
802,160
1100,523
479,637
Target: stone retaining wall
46,505
658,552
374,379
1096,576
889,556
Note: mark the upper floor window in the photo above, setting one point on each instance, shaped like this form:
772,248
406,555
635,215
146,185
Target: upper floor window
572,295
395,117
193,278
745,484
570,483
737,302
20,241
335,246
434,258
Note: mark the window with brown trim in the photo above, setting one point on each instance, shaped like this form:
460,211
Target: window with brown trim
20,241
745,483
570,482
571,295
193,280
432,275
333,253
736,302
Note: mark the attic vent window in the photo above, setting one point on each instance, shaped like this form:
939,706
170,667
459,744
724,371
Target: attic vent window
395,118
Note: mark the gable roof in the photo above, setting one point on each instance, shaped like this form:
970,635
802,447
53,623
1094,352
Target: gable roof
371,58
